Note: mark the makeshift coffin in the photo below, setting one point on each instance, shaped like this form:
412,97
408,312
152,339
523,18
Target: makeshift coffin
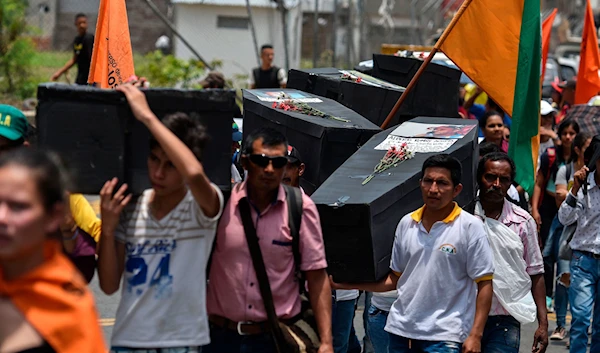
436,92
359,221
97,135
370,97
324,143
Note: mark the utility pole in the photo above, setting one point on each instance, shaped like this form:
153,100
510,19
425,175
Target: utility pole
283,10
316,34
334,33
253,31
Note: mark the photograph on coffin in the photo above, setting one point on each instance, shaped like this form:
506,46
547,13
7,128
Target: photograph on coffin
95,132
359,218
325,132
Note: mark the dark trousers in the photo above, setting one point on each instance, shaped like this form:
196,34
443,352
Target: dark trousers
227,341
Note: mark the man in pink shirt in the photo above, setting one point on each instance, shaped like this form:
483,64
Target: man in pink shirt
495,174
237,315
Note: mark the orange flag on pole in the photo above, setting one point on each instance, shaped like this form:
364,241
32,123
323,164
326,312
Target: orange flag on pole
546,33
112,58
588,81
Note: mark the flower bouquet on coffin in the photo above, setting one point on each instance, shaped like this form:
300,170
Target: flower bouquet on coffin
393,157
284,102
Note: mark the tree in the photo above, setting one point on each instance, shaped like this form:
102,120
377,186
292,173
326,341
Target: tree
16,50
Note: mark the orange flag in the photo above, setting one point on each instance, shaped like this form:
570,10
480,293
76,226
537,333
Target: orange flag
588,82
546,32
112,58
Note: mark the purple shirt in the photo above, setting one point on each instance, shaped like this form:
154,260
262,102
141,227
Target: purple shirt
233,291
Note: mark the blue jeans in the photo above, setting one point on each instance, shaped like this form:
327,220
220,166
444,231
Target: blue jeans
404,345
584,295
342,315
368,346
502,334
561,297
379,337
227,341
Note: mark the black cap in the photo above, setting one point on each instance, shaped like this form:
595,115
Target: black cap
293,155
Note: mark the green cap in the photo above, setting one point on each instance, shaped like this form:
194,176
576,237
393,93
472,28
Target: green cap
13,123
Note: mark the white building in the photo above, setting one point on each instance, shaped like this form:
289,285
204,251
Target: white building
220,30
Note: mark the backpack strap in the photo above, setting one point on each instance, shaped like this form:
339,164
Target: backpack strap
294,202
569,171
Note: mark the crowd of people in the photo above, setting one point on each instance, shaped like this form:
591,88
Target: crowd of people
198,273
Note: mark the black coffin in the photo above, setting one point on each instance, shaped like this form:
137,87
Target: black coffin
436,92
324,144
97,135
359,221
372,102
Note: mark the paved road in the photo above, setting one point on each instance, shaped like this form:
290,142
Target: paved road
107,305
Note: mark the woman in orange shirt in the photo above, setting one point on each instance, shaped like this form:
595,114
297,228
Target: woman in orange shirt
45,305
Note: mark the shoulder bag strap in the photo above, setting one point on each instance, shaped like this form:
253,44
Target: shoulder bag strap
261,272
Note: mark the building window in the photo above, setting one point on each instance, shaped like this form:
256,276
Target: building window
233,22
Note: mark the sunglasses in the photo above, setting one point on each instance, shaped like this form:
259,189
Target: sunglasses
263,161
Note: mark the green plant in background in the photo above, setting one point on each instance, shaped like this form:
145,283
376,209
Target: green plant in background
168,71
16,50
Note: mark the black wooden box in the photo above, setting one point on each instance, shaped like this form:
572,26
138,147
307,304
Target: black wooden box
373,101
97,135
436,92
323,143
359,221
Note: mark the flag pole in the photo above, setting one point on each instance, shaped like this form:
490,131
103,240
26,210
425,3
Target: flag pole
435,49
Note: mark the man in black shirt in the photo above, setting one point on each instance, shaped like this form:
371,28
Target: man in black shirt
82,52
268,76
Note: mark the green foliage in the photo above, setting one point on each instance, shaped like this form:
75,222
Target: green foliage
168,71
16,50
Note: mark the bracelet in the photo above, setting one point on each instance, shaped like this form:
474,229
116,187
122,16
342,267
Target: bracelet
72,238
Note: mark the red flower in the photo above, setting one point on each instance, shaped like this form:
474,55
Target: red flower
274,104
359,80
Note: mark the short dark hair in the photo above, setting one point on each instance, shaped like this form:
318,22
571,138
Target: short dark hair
80,15
496,157
579,141
487,148
266,46
188,129
47,171
445,161
269,136
484,119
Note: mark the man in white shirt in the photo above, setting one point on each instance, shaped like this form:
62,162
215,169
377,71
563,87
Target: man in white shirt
442,267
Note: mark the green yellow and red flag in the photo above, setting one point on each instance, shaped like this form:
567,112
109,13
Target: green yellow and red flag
498,45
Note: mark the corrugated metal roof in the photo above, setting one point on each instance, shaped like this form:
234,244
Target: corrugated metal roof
253,3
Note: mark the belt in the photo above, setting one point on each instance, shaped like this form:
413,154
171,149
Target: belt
244,328
590,254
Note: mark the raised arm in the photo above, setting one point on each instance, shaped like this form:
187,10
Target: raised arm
111,252
180,155
570,209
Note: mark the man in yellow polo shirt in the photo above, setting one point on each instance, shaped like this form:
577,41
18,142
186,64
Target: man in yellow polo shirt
442,267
